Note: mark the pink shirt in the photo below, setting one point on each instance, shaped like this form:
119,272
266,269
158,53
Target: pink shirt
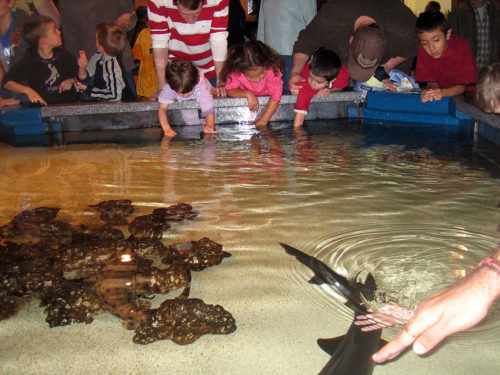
271,84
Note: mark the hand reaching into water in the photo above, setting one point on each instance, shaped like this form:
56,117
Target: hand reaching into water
455,309
387,316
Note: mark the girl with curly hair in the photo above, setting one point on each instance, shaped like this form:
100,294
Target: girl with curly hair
254,69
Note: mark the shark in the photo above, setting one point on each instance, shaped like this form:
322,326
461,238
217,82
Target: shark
350,353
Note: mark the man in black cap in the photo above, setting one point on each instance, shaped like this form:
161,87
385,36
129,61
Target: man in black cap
340,25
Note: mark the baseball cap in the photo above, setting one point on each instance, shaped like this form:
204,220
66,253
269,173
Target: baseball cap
366,52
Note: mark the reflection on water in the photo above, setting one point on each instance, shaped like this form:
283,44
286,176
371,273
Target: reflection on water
415,206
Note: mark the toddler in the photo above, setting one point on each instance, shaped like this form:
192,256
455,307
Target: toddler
444,61
46,74
103,76
323,74
185,81
487,93
253,69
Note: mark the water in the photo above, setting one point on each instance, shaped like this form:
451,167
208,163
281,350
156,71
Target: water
414,205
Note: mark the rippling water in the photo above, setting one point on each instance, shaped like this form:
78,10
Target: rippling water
414,206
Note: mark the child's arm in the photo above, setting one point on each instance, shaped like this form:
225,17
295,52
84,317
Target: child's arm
298,120
270,109
32,95
82,66
162,116
253,102
210,125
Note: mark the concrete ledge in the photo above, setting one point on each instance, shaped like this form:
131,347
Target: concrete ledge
487,124
121,115
122,107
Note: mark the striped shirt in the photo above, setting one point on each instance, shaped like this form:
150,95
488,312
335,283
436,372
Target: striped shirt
201,42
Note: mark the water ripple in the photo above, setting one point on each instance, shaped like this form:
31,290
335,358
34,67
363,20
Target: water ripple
408,261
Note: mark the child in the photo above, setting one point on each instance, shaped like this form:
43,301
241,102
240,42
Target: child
487,93
185,81
47,73
322,74
444,60
103,76
253,69
147,82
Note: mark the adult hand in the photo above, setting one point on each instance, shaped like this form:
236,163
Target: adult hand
460,306
292,83
219,92
386,316
389,85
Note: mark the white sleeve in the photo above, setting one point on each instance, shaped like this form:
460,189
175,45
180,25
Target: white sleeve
218,45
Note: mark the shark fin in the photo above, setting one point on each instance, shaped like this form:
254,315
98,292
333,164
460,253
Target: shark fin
330,345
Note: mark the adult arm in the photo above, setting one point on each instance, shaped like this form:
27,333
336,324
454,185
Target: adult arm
218,37
455,309
299,61
160,57
160,35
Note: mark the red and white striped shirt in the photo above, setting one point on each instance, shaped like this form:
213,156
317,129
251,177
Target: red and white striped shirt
201,42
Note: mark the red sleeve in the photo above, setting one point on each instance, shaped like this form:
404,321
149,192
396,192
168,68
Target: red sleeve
342,79
157,14
304,97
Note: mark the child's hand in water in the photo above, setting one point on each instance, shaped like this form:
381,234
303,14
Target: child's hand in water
253,102
209,130
169,132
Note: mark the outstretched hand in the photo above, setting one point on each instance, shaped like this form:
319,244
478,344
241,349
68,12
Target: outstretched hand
457,308
387,316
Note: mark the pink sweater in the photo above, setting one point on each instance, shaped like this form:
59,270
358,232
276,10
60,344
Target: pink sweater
271,84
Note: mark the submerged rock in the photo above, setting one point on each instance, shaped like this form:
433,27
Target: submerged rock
183,321
114,212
